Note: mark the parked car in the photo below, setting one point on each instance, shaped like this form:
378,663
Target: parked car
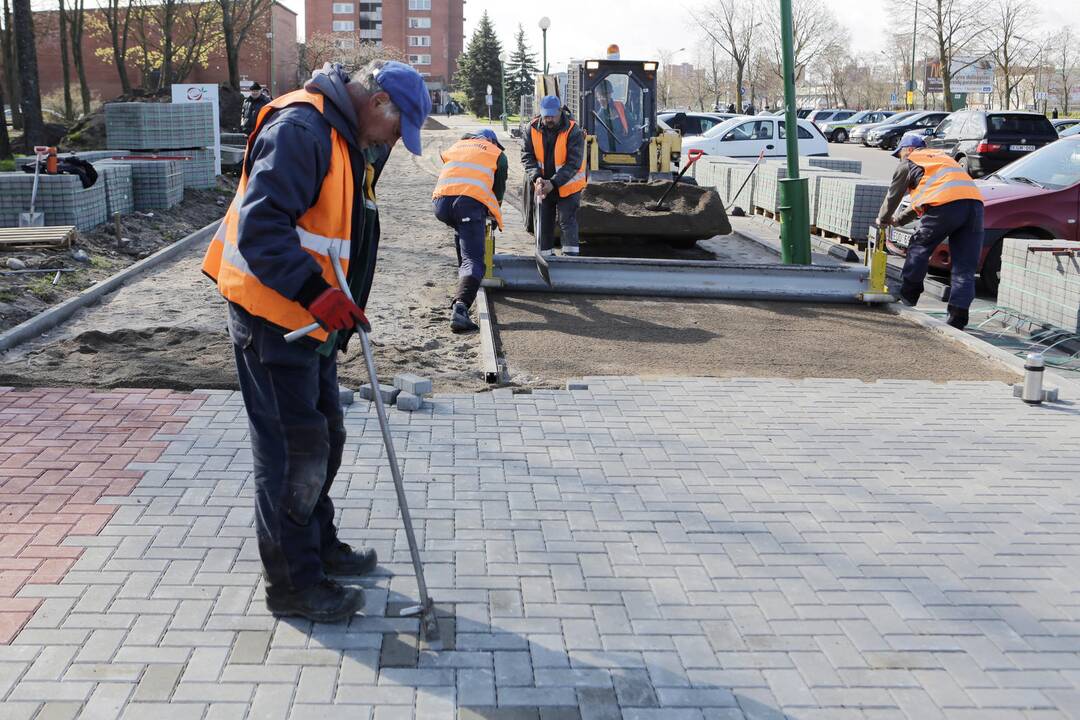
691,123
983,142
838,131
1037,196
1063,124
820,117
859,132
747,137
1074,130
886,135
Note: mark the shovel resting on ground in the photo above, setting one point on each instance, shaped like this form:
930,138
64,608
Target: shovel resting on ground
541,261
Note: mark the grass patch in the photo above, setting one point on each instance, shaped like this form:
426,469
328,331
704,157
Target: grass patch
7,165
42,288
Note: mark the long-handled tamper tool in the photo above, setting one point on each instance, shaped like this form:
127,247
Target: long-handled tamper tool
429,624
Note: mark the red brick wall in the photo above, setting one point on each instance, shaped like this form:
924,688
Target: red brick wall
105,84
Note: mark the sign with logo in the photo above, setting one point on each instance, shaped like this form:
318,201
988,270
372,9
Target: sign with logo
204,92
969,75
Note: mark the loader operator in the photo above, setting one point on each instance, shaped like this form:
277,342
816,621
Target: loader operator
470,189
613,127
553,154
306,194
949,206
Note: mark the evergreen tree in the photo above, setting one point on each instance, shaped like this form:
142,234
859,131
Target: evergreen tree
520,72
478,67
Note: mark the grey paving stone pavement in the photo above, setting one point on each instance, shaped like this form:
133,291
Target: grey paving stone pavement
636,550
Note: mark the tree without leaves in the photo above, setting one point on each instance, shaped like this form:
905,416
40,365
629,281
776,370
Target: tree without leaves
479,67
814,29
172,37
113,23
731,25
322,48
238,17
5,141
7,47
1011,52
955,28
26,52
75,20
520,71
65,64
1066,59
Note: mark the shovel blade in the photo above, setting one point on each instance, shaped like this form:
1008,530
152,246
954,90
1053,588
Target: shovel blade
34,219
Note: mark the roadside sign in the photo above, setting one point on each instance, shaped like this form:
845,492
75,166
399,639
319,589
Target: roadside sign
910,98
208,92
489,100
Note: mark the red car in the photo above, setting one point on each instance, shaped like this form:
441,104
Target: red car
1037,196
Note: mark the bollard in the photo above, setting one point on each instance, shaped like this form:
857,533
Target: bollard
1033,379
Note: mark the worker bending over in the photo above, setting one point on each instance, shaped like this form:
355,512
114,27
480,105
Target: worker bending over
307,191
553,154
470,189
949,206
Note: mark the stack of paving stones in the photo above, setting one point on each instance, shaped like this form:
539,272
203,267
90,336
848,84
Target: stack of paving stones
814,191
732,195
233,139
848,206
407,393
155,184
116,179
828,163
1042,286
767,185
197,165
62,198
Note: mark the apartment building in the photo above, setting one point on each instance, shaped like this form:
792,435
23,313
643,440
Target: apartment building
430,32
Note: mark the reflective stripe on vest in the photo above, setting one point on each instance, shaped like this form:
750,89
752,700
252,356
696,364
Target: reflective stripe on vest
326,224
943,181
468,169
577,182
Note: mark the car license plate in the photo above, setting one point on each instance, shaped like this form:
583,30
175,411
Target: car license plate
900,238
1022,148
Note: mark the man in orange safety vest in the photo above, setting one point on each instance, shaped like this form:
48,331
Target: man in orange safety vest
553,153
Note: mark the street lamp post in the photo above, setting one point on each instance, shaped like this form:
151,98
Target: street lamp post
545,23
794,194
911,80
503,59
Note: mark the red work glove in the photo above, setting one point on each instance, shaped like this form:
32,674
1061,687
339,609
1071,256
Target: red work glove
335,311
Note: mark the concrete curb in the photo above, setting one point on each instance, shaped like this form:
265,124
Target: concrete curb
1067,386
55,315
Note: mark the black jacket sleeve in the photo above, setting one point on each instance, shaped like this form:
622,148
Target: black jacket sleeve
528,157
575,151
287,166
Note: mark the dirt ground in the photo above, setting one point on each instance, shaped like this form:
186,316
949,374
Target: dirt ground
547,340
24,295
167,329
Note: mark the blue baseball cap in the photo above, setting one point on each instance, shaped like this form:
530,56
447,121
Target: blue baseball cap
550,106
489,134
910,140
407,91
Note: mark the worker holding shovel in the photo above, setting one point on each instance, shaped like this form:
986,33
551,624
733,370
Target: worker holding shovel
304,221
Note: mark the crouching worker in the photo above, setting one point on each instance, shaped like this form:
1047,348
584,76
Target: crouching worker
470,189
306,196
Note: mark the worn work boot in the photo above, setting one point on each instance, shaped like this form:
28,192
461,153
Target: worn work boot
958,317
341,559
909,300
326,602
570,250
459,319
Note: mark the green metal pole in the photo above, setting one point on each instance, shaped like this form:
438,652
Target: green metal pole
794,196
502,79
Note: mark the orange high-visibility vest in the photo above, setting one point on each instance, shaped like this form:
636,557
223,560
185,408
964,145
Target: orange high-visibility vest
576,183
620,110
469,169
328,223
943,181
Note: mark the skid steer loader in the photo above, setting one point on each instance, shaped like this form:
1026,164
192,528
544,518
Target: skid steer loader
630,160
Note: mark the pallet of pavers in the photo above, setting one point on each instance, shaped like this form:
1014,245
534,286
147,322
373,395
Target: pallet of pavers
1040,279
155,184
737,176
847,206
116,177
62,199
235,139
197,165
158,126
813,189
828,163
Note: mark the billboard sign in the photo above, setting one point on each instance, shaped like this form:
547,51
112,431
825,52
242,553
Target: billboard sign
969,75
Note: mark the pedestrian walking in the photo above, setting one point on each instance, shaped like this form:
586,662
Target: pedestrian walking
470,190
307,195
553,154
254,101
949,207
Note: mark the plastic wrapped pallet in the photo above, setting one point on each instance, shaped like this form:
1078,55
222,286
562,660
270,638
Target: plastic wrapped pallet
814,191
1043,286
828,163
62,198
848,206
117,182
197,164
159,126
155,184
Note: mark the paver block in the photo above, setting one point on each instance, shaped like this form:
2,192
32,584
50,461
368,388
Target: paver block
408,401
345,395
155,184
414,384
159,126
389,393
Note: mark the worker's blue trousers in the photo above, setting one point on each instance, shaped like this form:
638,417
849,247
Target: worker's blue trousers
297,436
466,216
961,223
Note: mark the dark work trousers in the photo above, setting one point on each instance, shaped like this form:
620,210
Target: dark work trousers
297,436
466,216
961,223
567,209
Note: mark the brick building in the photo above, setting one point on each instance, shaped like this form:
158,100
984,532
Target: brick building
272,60
431,32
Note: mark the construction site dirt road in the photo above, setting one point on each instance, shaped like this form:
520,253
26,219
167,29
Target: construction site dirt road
167,329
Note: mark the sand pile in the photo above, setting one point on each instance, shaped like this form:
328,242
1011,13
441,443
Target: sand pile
615,208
